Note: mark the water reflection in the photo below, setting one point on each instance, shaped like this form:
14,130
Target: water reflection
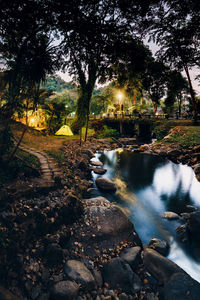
147,187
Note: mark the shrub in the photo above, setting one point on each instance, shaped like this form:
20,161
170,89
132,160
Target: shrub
107,132
97,125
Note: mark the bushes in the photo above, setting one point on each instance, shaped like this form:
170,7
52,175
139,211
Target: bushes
102,131
128,126
107,132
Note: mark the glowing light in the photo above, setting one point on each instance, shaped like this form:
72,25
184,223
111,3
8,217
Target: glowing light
120,96
32,120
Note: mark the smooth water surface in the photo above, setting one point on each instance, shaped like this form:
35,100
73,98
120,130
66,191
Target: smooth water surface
147,187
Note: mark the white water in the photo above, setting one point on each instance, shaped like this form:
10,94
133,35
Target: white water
147,187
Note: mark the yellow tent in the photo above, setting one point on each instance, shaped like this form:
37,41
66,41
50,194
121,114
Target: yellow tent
64,130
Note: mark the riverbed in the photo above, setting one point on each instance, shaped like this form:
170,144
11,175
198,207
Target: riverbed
147,186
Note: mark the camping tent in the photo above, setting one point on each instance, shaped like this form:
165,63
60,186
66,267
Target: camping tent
64,130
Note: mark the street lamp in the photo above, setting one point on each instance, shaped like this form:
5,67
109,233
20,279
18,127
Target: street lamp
120,98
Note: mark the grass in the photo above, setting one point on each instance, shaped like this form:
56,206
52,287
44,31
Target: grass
58,156
38,141
186,136
29,158
162,127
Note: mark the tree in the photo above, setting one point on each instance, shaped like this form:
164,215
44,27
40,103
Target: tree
26,54
89,43
176,86
175,28
155,82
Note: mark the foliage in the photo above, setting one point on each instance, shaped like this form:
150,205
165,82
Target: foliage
107,132
18,168
186,136
57,84
175,28
162,128
6,141
29,158
97,125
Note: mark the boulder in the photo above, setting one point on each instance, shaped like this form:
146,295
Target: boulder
171,215
78,272
182,232
190,208
106,184
194,225
118,274
88,152
104,224
174,152
97,201
159,266
160,246
102,216
181,286
92,192
64,290
196,168
132,256
96,163
99,171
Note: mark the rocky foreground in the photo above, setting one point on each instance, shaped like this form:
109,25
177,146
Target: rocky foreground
65,245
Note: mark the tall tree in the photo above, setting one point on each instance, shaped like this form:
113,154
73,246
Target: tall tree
25,52
176,86
175,28
155,82
89,42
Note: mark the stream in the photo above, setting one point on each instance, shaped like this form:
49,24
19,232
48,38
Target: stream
149,185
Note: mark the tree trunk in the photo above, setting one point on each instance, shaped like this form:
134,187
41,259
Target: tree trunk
87,122
80,136
192,94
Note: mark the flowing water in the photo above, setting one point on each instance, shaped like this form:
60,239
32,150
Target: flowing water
149,185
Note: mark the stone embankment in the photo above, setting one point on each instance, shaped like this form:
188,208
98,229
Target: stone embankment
186,155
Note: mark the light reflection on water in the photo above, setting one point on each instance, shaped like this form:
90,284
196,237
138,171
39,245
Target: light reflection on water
147,187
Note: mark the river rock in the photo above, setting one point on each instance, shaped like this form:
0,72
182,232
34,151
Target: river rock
99,171
196,168
96,163
194,225
182,231
118,274
190,208
181,286
174,152
171,215
132,256
88,152
160,246
106,184
102,216
64,290
159,266
104,224
97,201
77,271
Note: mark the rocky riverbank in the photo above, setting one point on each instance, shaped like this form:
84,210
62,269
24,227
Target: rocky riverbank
65,245
177,153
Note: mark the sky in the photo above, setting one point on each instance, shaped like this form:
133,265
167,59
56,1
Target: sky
153,47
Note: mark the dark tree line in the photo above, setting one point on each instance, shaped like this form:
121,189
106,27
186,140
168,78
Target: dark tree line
95,40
